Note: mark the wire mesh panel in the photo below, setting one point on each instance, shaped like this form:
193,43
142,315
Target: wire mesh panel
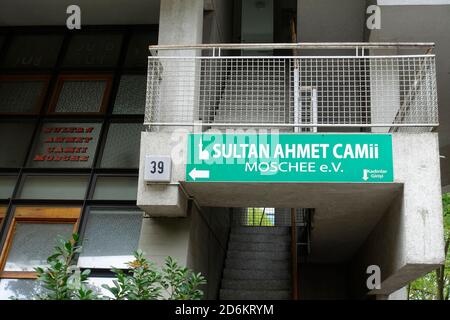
298,92
269,217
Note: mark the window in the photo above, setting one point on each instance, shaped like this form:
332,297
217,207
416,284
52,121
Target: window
54,187
122,146
131,95
65,145
96,283
7,184
93,50
260,217
33,51
22,289
115,188
31,238
81,94
55,154
15,137
114,245
22,94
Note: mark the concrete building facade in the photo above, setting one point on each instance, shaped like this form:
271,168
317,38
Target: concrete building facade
146,172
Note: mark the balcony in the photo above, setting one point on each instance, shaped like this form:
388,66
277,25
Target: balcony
230,86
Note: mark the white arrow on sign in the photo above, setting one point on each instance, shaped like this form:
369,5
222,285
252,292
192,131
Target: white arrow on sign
365,176
194,174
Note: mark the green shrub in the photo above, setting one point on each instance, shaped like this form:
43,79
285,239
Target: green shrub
62,280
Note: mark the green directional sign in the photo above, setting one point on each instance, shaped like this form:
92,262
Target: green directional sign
363,158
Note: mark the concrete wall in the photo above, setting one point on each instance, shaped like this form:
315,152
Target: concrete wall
163,199
408,240
217,23
330,21
208,240
198,241
162,237
406,21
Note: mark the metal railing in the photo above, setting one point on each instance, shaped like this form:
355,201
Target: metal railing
214,86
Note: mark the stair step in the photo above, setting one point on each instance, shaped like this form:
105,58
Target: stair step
237,274
261,230
262,255
228,294
262,284
257,237
256,264
258,246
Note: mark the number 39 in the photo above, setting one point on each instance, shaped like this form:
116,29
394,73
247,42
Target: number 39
157,166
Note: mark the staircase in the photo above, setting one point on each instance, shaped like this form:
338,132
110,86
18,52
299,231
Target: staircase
258,264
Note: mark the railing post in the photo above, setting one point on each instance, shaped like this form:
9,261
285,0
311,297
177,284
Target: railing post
294,254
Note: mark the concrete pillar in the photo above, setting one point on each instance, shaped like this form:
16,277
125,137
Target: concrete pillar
174,89
180,22
408,241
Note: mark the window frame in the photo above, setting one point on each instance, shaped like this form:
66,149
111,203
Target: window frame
66,174
9,174
120,115
31,77
104,205
63,121
3,211
93,30
97,176
108,78
120,119
35,214
103,118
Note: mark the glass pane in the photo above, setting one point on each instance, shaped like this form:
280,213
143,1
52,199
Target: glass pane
33,243
33,51
93,50
21,96
65,145
138,49
7,184
122,146
114,245
95,284
131,95
115,188
54,187
21,289
81,96
15,138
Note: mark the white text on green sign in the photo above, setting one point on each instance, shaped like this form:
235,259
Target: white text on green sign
290,158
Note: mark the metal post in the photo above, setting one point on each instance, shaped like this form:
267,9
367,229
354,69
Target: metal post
294,254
